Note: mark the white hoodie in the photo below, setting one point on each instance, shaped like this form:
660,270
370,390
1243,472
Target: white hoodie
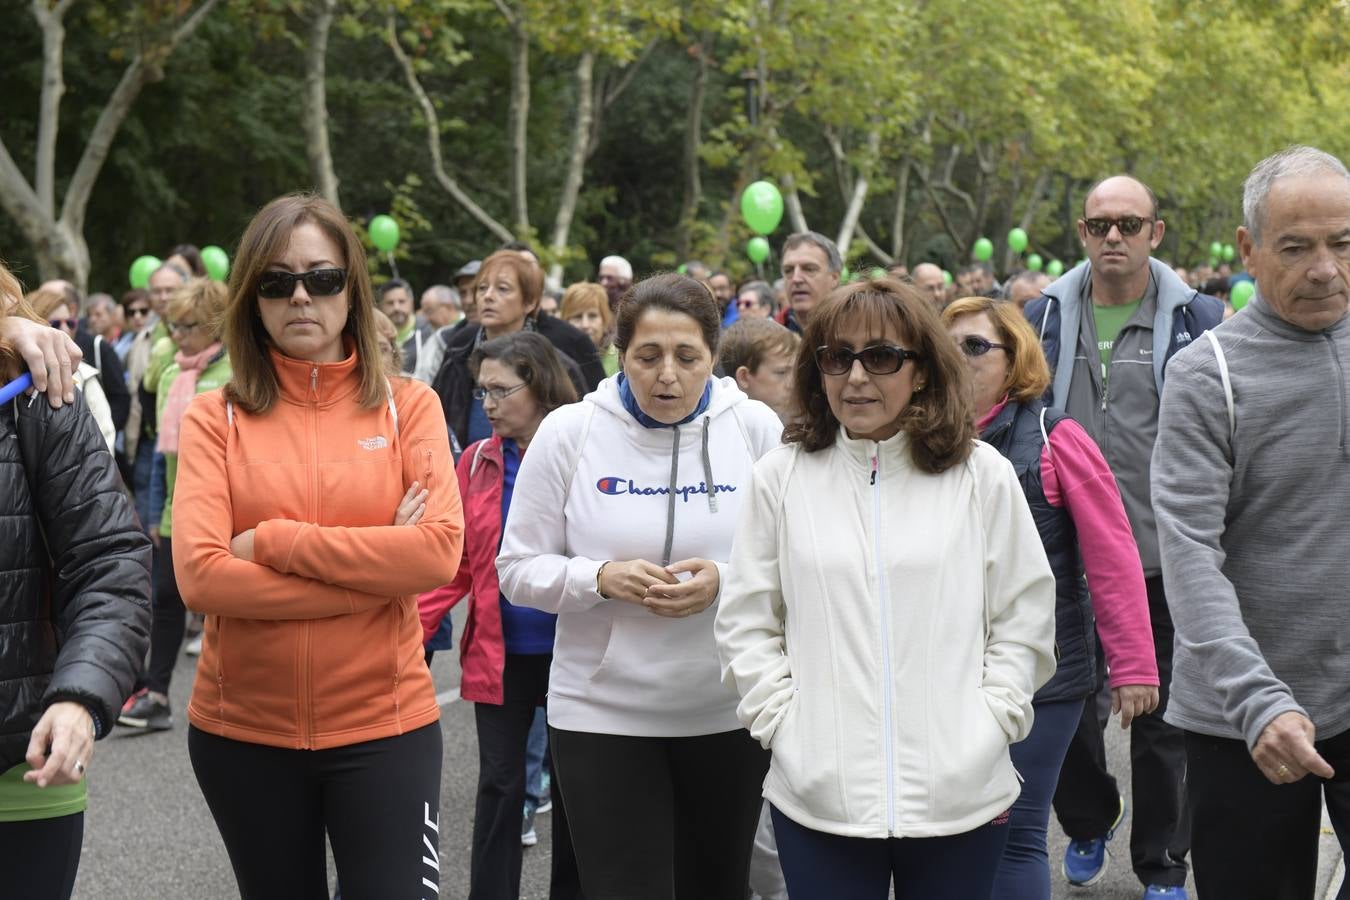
593,487
886,629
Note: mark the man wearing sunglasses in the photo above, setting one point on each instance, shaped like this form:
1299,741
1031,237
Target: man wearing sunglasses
1109,327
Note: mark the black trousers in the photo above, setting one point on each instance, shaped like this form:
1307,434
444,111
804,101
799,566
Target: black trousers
40,858
169,624
1087,798
1255,840
661,818
502,735
378,802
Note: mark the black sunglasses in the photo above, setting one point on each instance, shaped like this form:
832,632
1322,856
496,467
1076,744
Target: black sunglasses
878,359
69,324
318,283
1129,225
138,311
974,345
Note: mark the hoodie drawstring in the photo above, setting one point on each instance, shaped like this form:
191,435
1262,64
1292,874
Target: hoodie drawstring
707,468
674,486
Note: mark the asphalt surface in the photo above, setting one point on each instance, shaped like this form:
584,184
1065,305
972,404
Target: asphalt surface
149,835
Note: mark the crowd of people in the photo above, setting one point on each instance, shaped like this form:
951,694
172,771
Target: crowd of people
815,587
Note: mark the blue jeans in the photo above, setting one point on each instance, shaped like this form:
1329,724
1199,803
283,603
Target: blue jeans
1024,872
820,866
535,749
141,471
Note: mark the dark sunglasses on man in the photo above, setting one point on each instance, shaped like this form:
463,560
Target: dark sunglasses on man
318,283
878,359
1129,226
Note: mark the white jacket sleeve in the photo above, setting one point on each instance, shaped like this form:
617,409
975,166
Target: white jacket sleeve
1019,599
533,565
751,617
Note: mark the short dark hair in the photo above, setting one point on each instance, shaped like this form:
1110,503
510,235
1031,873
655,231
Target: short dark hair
193,256
833,261
535,360
394,284
939,419
676,293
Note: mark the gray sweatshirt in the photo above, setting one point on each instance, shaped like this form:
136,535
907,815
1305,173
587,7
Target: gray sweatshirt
1255,530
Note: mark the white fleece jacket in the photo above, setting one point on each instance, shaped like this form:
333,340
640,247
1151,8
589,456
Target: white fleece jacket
886,630
594,486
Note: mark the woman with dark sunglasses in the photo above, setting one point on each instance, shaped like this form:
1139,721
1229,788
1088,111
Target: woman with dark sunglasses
312,506
1082,524
55,308
888,613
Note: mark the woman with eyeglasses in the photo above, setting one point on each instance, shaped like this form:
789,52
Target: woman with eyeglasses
888,613
1082,525
55,308
507,649
194,315
621,524
313,713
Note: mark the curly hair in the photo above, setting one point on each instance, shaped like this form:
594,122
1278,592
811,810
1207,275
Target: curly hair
938,419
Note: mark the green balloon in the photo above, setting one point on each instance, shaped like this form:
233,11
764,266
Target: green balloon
757,249
983,250
141,270
1017,240
1215,249
1034,262
384,233
878,272
1228,252
946,277
845,276
1054,268
216,261
682,269
762,207
1241,293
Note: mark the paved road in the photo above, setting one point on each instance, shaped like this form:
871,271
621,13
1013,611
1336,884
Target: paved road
149,835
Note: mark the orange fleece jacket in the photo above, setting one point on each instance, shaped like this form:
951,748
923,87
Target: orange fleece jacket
315,643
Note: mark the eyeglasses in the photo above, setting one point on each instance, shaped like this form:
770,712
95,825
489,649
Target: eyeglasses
974,345
318,283
1129,225
748,303
138,311
68,324
497,394
183,326
878,359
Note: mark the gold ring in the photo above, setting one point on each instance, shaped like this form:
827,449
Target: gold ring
1282,771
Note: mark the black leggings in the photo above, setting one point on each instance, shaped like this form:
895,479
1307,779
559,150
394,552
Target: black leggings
39,857
661,818
378,801
170,621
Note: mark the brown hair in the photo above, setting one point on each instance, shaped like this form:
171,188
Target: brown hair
202,299
535,360
674,293
384,327
750,341
583,297
938,420
528,275
44,302
254,385
12,303
1028,373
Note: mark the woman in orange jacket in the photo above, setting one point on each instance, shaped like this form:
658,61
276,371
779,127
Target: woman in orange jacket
313,711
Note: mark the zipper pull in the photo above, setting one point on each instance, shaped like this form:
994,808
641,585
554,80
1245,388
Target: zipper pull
314,382
876,465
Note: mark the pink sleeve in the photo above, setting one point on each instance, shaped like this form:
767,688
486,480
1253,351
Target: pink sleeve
1075,476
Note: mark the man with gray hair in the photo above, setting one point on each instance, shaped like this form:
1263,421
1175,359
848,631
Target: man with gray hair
615,276
811,267
1251,486
440,306
1109,328
1024,287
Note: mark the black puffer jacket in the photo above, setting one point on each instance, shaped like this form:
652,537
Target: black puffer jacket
73,625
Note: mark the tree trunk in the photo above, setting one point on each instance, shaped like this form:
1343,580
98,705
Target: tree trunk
693,139
52,21
576,162
901,207
859,194
794,204
317,148
519,115
438,169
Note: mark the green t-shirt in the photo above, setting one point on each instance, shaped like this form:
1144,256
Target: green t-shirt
1110,321
24,802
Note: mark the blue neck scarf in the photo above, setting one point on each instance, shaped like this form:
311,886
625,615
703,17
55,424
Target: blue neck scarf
630,403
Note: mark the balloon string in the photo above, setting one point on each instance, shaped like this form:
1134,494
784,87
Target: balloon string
392,265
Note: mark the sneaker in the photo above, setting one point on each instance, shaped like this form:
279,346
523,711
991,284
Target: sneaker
545,796
194,646
528,836
1085,861
1165,892
145,712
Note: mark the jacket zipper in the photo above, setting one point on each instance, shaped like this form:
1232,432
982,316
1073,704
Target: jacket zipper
1340,384
888,700
306,682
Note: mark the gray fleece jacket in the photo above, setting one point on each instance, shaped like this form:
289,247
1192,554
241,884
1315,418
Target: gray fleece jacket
1253,527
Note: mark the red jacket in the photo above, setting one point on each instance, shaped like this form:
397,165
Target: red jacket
482,649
